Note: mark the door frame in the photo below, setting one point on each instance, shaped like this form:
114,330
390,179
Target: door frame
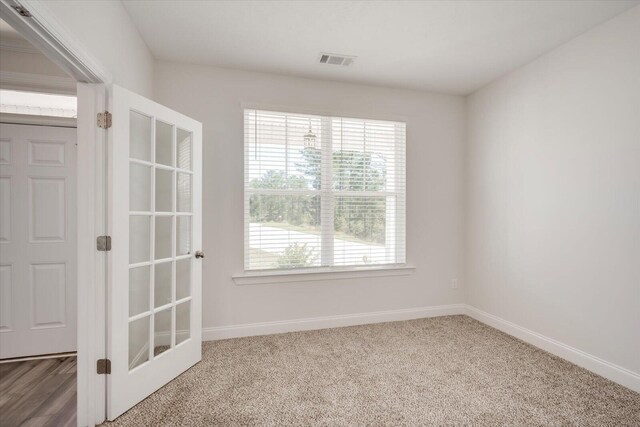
43,30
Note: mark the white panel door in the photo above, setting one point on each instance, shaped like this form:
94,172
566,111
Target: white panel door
154,280
37,240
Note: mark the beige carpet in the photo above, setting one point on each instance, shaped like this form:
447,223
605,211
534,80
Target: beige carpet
446,371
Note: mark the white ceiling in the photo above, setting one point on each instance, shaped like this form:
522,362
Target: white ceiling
443,46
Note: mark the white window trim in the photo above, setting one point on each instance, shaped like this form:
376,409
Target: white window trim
257,277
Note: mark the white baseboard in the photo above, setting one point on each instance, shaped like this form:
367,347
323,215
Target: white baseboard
592,363
307,324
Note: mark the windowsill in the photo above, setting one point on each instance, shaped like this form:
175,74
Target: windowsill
286,276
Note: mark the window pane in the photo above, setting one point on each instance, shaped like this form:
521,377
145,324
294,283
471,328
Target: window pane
284,231
363,155
38,104
360,231
283,151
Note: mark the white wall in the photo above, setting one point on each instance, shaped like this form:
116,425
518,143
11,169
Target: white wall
104,28
18,56
553,194
435,129
23,67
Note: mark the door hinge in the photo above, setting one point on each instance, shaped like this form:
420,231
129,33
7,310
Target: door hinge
103,367
104,120
104,243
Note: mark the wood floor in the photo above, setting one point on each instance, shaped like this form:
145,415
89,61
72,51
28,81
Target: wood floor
38,393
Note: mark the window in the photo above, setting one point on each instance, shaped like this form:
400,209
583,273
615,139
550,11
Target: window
323,191
39,104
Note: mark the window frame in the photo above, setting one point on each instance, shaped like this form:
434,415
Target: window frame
327,195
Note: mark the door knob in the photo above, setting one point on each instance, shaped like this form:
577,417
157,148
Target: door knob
199,254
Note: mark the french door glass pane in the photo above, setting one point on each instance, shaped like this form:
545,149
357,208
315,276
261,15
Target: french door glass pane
183,235
139,341
183,322
139,290
139,238
140,187
162,331
183,149
164,143
162,287
183,196
163,237
183,278
140,136
164,190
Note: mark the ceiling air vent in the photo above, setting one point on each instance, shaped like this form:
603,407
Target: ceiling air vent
333,59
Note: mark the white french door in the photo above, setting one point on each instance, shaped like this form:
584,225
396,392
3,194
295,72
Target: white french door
155,266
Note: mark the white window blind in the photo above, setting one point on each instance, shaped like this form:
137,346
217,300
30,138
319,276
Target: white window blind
323,191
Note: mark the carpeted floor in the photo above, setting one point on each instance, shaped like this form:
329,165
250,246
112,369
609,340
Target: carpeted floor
445,371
